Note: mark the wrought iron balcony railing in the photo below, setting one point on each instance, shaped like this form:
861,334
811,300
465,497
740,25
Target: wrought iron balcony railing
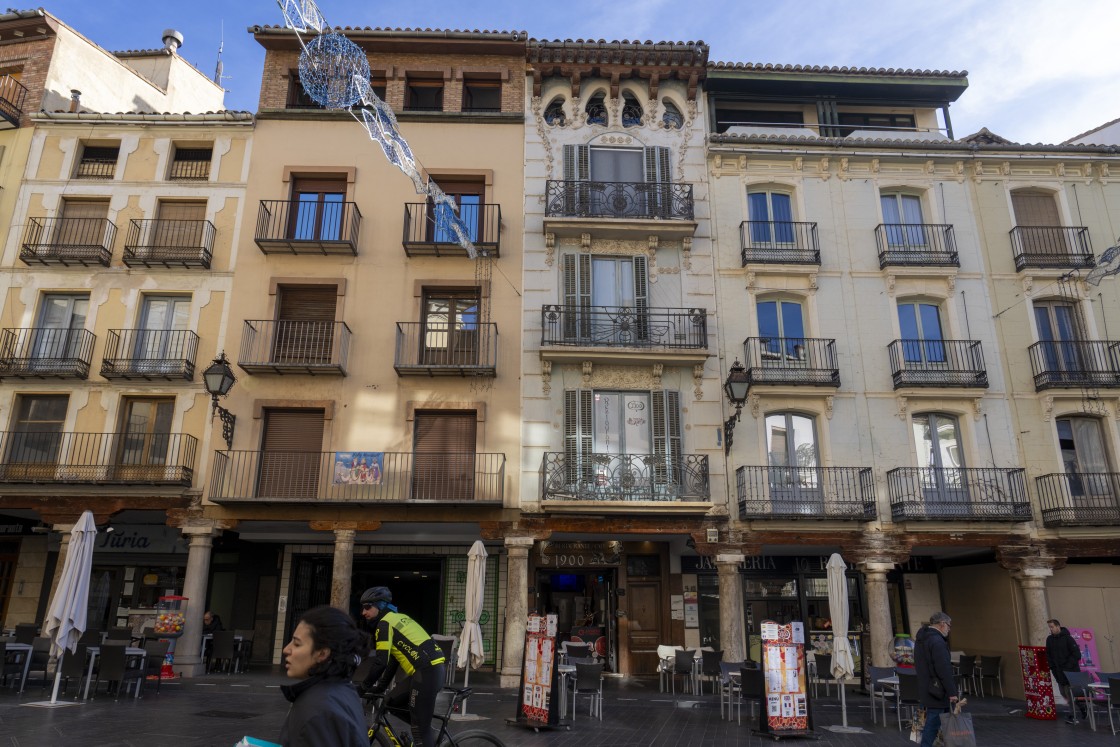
1056,247
97,458
46,353
1071,364
1079,499
779,242
958,493
150,354
424,236
624,327
68,241
916,244
624,477
358,477
949,363
295,227
426,349
169,243
12,95
627,200
800,361
806,493
271,346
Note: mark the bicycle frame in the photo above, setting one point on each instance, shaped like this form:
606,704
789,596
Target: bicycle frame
382,724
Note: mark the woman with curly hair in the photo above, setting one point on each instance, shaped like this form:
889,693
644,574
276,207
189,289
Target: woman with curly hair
326,711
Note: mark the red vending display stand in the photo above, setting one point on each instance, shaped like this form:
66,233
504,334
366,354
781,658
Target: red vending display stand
171,616
539,700
785,708
1036,683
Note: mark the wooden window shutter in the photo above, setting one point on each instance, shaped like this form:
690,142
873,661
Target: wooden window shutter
641,296
180,224
291,454
578,430
666,434
305,328
577,295
1035,209
311,303
657,164
443,456
577,162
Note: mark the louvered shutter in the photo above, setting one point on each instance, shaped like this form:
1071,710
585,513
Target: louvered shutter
641,296
657,164
578,430
577,296
84,224
444,456
305,324
291,454
666,436
659,197
1034,210
180,224
577,169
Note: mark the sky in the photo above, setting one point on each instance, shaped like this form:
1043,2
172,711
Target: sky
1039,71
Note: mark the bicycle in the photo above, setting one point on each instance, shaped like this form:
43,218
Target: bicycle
384,734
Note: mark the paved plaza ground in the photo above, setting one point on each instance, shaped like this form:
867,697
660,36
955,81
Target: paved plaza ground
219,709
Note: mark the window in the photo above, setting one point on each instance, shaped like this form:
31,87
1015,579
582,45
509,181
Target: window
97,162
482,95
726,118
793,459
902,217
161,339
468,195
1059,331
605,299
1084,456
1037,213
291,453
377,85
144,439
84,224
57,334
443,455
36,429
852,121
298,98
632,112
781,326
191,164
424,94
305,316
919,324
450,334
179,225
554,112
671,117
940,457
771,218
318,207
621,180
597,110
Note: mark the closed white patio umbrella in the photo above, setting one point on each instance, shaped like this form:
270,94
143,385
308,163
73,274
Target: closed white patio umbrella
843,665
471,653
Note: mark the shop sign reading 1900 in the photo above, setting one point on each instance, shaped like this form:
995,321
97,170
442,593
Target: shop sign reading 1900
581,554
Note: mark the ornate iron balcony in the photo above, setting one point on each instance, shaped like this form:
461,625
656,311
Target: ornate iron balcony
295,227
627,200
777,242
12,95
806,493
45,353
624,327
357,477
97,458
1072,499
424,238
68,241
624,477
169,243
1056,247
1072,364
150,354
916,244
271,346
956,363
958,493
425,349
800,361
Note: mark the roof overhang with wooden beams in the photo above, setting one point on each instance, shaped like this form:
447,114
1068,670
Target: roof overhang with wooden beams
899,88
27,25
617,61
400,41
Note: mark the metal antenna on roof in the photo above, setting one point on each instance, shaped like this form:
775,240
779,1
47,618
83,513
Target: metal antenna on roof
219,69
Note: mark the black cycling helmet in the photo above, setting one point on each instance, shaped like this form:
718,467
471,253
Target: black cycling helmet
377,594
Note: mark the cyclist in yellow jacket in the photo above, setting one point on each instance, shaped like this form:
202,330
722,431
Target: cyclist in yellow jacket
400,643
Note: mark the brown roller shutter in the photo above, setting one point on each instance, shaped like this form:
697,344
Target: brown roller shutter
305,324
1037,210
444,456
291,454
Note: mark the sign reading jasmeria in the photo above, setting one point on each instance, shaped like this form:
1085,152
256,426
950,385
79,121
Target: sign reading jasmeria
783,564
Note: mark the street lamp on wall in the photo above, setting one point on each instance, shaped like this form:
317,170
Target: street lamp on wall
219,380
736,386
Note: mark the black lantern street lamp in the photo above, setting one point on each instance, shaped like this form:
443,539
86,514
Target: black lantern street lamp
219,379
737,384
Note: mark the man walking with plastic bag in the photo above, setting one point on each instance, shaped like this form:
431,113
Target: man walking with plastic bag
937,690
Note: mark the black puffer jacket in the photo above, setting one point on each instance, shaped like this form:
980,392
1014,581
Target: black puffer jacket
1063,654
932,661
325,712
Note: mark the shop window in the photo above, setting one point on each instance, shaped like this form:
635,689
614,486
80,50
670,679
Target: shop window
97,162
191,164
482,95
424,95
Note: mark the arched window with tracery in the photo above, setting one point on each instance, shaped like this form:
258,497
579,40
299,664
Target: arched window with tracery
631,110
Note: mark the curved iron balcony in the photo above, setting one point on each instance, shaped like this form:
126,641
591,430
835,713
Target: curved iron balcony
916,245
1071,364
150,354
357,477
846,493
624,477
1054,247
623,327
1071,499
295,227
958,493
800,361
778,242
955,363
425,349
272,346
12,95
169,243
97,458
628,200
46,353
423,237
68,241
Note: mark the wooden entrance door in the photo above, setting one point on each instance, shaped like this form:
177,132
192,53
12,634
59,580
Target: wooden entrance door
643,608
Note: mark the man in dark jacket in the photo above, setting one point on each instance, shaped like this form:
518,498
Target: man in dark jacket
1064,655
937,689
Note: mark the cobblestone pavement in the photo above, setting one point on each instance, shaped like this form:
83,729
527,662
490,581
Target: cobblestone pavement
220,709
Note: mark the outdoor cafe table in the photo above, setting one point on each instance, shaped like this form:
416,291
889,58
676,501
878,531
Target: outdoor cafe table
1096,687
92,652
24,648
893,681
237,640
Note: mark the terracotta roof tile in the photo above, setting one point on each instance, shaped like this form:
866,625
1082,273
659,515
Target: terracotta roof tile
770,67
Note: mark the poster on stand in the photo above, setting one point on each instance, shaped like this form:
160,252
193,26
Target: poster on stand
785,681
1036,683
537,703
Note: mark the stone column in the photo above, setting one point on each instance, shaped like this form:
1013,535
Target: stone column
343,568
878,610
188,662
1033,583
517,608
731,614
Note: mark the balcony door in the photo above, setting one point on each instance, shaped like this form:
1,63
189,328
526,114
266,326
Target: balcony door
781,327
451,332
606,300
291,454
794,462
1037,210
902,216
35,441
317,209
305,316
468,196
443,455
161,341
1059,332
771,219
941,462
1085,458
919,325
57,335
179,225
617,182
144,438
83,224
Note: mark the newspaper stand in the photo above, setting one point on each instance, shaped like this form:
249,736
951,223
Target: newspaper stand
538,706
171,616
785,709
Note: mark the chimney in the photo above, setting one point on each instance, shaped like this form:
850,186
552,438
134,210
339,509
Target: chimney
172,40
75,99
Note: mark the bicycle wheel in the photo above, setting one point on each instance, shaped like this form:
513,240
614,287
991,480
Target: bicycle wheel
475,738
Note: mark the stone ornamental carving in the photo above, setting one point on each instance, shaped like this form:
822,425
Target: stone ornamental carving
874,165
587,368
798,163
686,246
1061,169
617,139
755,403
1028,285
902,407
585,240
621,377
546,377
718,161
1005,168
656,370
951,283
823,168
1047,408
931,166
698,381
549,248
843,174
977,408
890,284
829,403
